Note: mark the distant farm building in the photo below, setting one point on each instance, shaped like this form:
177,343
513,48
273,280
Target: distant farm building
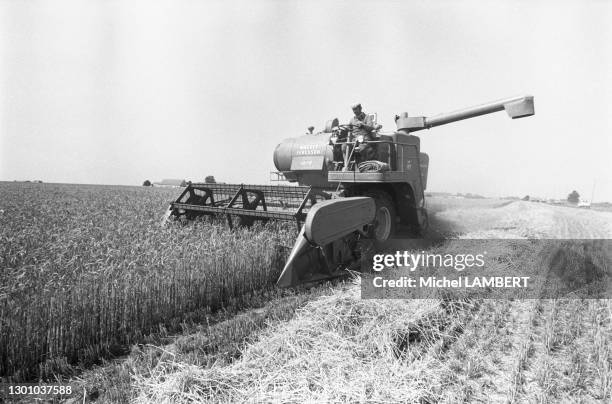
170,183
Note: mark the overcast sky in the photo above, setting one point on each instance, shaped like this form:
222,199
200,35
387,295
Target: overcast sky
118,92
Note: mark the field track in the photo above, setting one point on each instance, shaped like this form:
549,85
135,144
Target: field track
477,218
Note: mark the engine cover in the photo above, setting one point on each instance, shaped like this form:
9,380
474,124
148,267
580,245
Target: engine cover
305,159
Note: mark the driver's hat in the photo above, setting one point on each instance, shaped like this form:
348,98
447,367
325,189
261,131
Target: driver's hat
356,106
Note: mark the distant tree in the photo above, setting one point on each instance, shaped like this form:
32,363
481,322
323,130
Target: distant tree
183,183
574,197
210,179
147,183
525,198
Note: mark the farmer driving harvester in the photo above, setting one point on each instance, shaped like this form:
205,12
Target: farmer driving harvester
363,125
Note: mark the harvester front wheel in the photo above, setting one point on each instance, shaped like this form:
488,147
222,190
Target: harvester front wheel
384,224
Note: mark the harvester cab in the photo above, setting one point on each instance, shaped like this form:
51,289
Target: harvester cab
338,197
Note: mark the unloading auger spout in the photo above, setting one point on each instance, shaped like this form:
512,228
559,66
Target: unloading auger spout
515,107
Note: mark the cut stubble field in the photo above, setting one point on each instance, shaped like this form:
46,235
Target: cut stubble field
87,271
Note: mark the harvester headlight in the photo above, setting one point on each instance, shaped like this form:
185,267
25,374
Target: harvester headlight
333,139
359,138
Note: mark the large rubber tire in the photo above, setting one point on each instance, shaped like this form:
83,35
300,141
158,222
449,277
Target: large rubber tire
385,223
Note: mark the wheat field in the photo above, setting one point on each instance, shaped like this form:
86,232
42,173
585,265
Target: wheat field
86,271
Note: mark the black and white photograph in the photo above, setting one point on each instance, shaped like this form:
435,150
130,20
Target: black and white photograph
305,201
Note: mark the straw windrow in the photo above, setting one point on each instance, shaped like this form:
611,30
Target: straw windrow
337,348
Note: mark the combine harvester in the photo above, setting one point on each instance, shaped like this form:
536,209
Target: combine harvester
339,199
